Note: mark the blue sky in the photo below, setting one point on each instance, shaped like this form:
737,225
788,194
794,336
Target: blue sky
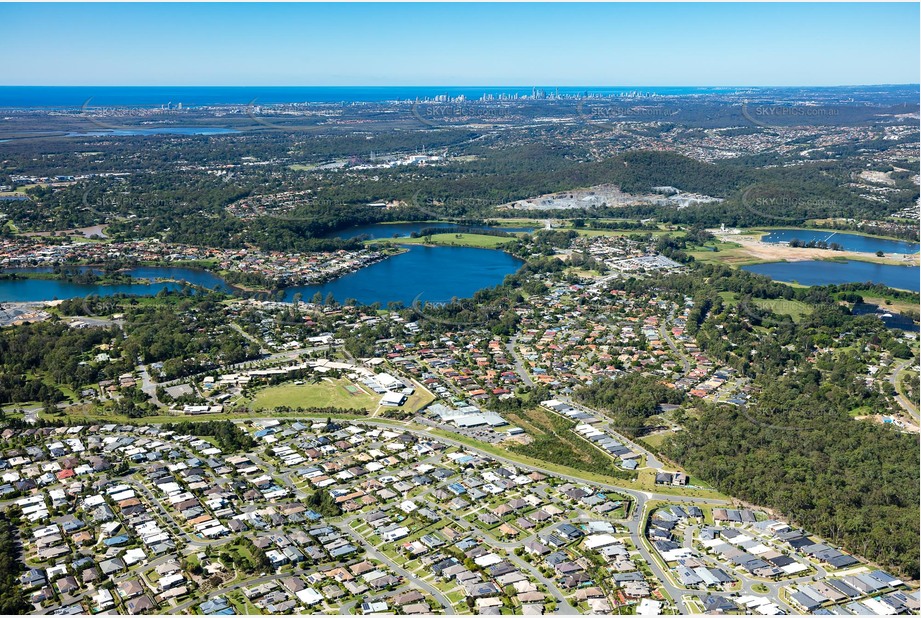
654,44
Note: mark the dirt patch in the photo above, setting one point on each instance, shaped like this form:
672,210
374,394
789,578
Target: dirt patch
775,252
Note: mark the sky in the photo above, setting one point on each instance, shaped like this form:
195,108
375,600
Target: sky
516,44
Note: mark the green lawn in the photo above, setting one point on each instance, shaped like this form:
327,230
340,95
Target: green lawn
417,400
480,241
793,308
327,392
656,440
728,253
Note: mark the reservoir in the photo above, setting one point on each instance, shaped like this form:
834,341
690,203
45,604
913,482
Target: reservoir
817,272
848,242
433,274
403,230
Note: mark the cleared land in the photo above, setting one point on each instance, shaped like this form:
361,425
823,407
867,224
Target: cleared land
793,308
749,249
325,393
553,441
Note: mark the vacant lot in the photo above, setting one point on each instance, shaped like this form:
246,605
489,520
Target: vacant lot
554,442
793,308
327,392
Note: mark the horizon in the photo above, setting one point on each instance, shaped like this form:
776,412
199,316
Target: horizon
491,87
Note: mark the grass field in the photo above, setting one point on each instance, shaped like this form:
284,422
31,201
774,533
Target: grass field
728,253
644,482
418,400
899,306
480,241
327,392
655,441
554,442
793,308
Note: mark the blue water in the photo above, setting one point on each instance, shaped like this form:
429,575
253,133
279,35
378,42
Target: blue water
24,290
191,275
825,273
190,96
430,274
848,242
157,131
403,230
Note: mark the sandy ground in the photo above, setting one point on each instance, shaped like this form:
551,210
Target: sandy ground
87,232
590,197
907,424
775,252
881,178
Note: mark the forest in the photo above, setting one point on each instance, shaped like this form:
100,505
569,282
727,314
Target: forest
629,400
187,336
36,358
228,436
796,446
798,451
189,205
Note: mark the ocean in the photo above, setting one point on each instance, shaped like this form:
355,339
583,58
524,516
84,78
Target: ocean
192,96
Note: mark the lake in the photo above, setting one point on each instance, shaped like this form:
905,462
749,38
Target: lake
816,272
404,230
848,242
432,274
437,273
30,290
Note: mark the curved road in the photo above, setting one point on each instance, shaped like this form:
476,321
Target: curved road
894,378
